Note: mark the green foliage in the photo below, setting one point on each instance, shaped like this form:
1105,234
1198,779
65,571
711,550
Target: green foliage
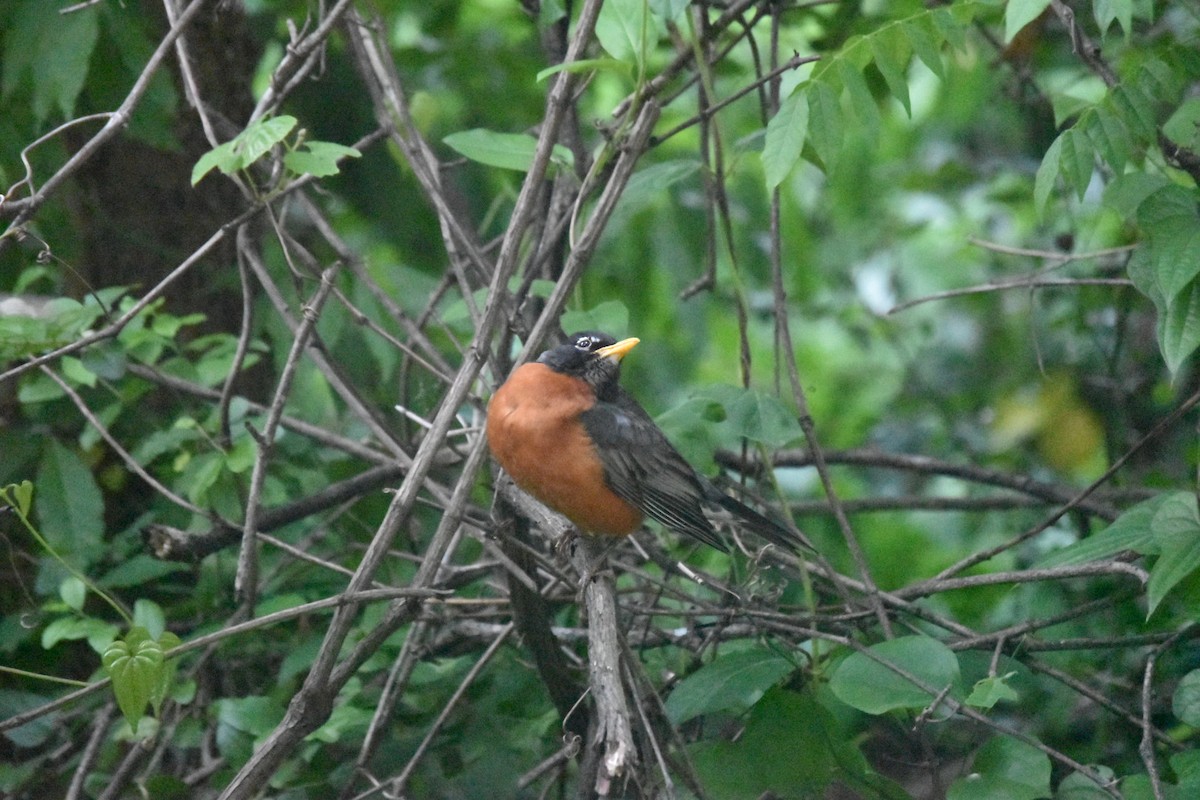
732,682
957,199
504,150
257,139
140,674
881,679
1005,769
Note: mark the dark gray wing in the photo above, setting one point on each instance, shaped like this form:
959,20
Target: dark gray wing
645,470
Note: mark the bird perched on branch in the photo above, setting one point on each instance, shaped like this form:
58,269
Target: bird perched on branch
568,434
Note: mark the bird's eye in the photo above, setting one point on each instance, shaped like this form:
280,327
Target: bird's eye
585,343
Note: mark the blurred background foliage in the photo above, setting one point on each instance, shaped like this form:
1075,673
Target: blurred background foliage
955,280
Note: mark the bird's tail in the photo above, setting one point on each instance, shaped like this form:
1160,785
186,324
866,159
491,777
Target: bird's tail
764,526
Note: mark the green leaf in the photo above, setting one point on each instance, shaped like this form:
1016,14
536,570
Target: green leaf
1108,10
1110,137
1047,174
1186,700
865,683
611,315
1179,329
73,369
1130,531
732,681
1078,786
1176,528
989,691
891,53
924,44
1171,223
862,102
504,150
222,157
762,417
69,505
951,29
587,65
1005,769
1077,160
623,29
1184,125
244,149
135,665
19,496
318,158
1019,13
48,53
260,136
166,676
825,123
790,747
73,592
1136,109
97,632
149,615
785,138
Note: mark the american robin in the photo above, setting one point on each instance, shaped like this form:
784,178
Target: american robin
568,434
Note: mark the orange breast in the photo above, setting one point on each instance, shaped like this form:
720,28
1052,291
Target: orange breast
534,431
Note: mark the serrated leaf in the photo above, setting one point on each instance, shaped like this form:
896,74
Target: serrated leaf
865,683
891,54
786,133
1171,223
1130,531
1019,13
1110,137
730,682
504,150
1179,328
1136,109
825,123
1176,528
1047,174
318,158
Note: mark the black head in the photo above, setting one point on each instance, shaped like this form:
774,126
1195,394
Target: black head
593,356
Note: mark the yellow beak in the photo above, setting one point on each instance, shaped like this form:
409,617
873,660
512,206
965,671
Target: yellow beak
619,350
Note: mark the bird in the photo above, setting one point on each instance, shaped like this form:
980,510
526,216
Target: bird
569,434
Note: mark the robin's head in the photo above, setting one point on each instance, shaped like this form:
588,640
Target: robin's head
592,356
